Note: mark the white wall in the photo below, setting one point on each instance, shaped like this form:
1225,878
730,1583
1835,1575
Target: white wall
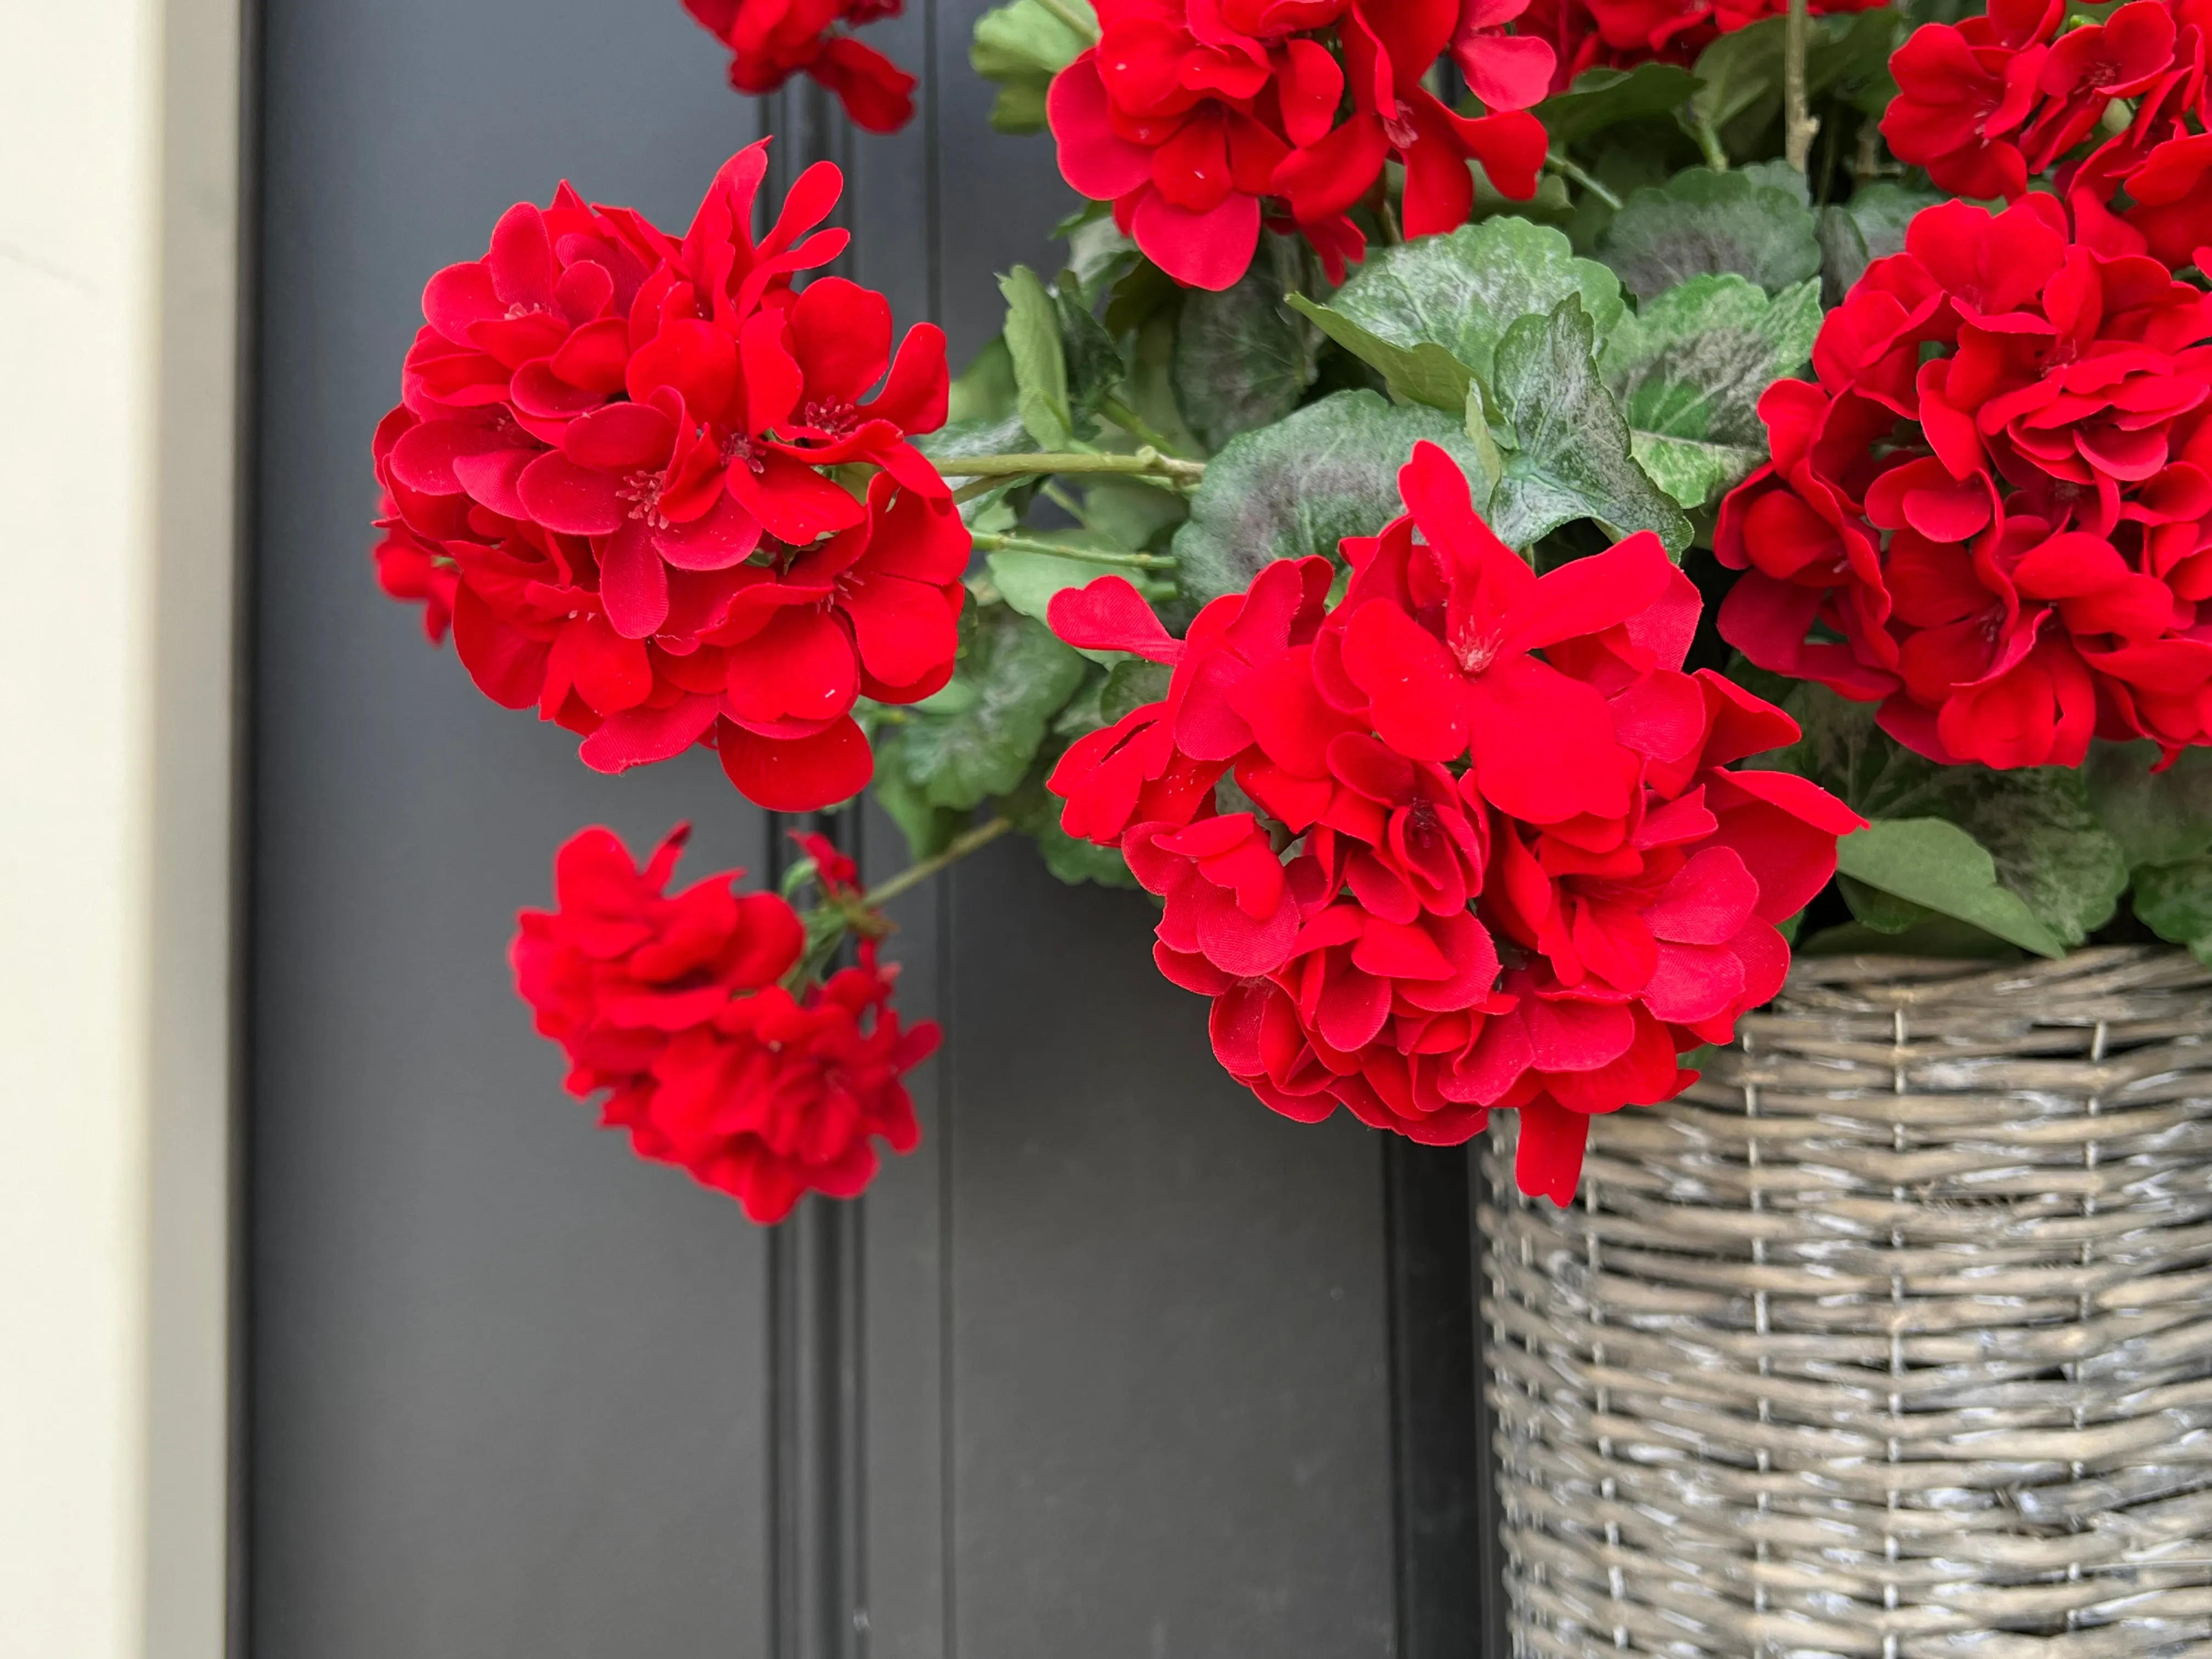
117,204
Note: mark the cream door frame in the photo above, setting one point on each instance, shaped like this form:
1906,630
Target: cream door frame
120,170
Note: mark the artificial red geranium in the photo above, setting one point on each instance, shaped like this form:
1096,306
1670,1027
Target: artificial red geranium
1201,121
1584,34
671,1002
1490,849
1992,513
623,444
1989,103
772,40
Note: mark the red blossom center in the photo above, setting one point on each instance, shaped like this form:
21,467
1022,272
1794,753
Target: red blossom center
1398,126
833,416
738,449
642,491
1474,648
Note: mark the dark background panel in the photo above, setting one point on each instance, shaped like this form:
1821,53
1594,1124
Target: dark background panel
507,1389
1172,1421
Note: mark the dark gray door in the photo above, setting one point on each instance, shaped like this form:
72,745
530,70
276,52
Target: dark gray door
1118,1364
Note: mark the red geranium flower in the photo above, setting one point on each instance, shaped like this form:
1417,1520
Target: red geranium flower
620,440
772,40
671,1003
1199,121
1995,500
1992,102
1622,33
1502,858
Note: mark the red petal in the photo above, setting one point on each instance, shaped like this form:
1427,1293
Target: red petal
801,775
1093,158
1547,1161
1210,249
842,333
1111,615
633,582
639,736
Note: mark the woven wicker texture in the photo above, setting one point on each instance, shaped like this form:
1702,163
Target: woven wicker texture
1893,1337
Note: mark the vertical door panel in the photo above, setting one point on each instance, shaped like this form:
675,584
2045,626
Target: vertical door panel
507,1383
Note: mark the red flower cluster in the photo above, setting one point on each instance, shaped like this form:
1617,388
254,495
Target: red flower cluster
772,40
1985,104
1199,119
1497,859
670,1002
619,442
1992,512
413,571
1621,34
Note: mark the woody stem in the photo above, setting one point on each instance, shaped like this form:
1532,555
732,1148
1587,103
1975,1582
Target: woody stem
987,541
914,874
1798,124
1147,462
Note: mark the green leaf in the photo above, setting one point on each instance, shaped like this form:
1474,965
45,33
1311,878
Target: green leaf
1040,367
1021,47
1700,223
1326,471
1868,227
1739,75
985,390
1035,811
1944,937
1885,913
1132,515
1132,683
1601,98
2157,817
2174,900
1242,360
1020,676
1570,457
1099,254
1778,174
1933,863
1425,373
1093,360
2048,849
1847,57
1462,292
1150,388
1688,370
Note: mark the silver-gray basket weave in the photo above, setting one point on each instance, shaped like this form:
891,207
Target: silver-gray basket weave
1893,1337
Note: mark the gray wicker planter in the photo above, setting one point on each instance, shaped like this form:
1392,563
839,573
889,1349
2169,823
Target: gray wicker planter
1893,1337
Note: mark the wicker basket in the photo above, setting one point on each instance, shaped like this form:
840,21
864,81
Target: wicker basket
1893,1337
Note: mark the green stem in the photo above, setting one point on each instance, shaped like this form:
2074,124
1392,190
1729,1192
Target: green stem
1065,502
1798,124
1133,423
987,542
1082,28
914,874
1710,142
1147,462
1574,174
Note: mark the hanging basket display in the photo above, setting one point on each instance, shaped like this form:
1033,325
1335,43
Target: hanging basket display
1891,1336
